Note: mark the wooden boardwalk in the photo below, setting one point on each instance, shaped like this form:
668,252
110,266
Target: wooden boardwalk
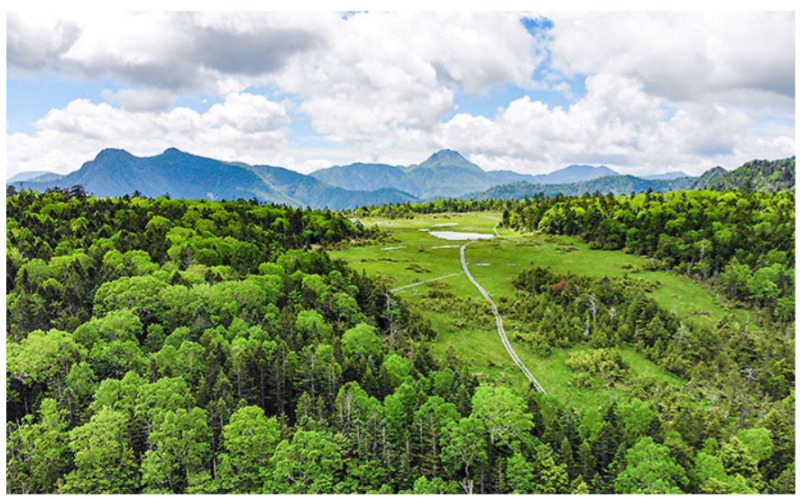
499,320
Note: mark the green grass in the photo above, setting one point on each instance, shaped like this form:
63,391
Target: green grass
505,258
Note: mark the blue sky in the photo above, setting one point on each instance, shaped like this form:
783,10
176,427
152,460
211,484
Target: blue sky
531,92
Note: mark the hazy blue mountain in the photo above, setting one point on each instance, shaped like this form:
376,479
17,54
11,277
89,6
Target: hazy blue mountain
570,174
309,191
671,175
33,176
116,172
503,176
445,174
619,184
447,158
365,176
574,173
47,177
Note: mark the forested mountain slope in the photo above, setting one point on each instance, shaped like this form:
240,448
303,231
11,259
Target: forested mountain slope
759,176
708,178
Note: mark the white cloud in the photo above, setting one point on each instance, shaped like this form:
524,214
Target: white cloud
616,124
382,73
148,100
247,113
245,127
175,51
371,73
681,55
34,44
663,90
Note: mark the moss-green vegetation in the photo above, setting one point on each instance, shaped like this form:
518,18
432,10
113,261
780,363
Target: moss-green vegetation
504,258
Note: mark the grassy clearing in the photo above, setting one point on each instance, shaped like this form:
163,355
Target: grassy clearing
495,263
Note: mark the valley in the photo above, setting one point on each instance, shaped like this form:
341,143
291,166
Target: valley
416,256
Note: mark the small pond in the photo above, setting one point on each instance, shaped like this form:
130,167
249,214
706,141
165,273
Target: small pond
461,235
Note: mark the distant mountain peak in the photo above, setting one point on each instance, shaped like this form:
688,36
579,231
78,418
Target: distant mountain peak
24,176
111,153
445,154
449,157
586,167
172,152
669,175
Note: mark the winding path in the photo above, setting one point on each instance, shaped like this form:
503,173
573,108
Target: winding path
499,320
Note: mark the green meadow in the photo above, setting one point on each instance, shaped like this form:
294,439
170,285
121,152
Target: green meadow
414,256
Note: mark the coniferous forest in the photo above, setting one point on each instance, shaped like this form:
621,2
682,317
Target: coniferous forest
193,346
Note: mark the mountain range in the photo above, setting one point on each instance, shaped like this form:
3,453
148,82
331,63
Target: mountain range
445,174
116,172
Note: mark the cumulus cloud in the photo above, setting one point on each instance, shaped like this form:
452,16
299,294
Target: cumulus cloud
247,113
616,123
37,44
249,44
662,90
382,73
358,76
140,100
244,127
174,51
681,55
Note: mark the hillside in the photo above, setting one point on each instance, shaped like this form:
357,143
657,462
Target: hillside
444,174
708,178
365,176
308,191
758,176
622,184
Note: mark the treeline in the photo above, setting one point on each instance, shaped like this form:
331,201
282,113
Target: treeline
618,184
741,241
174,346
409,210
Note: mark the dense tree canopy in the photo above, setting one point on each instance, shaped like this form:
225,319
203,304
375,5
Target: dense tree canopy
173,346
